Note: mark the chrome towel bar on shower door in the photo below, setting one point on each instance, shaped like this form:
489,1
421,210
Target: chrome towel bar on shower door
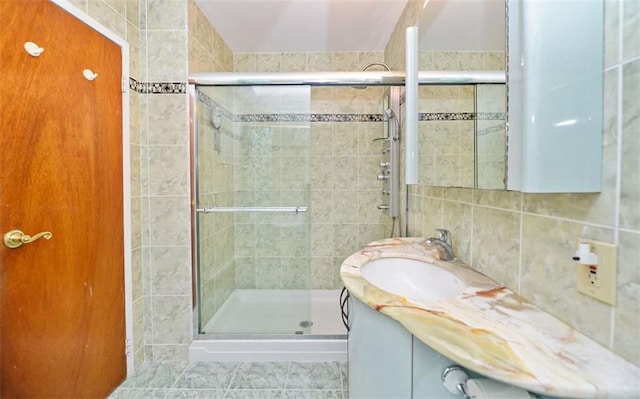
283,209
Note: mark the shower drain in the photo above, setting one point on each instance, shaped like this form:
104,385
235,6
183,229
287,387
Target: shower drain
306,323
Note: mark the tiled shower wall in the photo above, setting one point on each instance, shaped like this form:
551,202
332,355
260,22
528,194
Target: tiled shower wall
526,241
343,163
271,165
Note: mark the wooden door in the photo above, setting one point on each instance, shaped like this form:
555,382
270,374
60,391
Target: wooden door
62,300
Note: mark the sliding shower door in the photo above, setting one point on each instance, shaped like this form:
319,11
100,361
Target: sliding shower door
252,185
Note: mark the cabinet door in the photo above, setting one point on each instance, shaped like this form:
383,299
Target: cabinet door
379,355
428,366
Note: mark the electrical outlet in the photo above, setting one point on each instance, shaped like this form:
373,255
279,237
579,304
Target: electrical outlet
594,278
599,281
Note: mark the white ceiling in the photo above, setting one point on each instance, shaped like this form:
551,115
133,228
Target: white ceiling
463,25
352,25
303,25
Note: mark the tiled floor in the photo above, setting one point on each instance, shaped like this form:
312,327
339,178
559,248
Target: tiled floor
164,380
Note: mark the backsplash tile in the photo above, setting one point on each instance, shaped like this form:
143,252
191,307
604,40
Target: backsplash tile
627,312
549,274
630,31
457,217
630,194
526,241
496,245
508,200
612,39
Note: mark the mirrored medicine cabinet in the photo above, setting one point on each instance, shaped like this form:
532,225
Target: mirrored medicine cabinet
539,132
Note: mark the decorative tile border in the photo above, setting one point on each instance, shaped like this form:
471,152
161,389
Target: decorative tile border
495,129
446,116
209,102
491,116
157,87
313,118
460,116
308,118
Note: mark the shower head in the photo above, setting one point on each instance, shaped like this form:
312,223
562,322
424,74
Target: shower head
369,65
388,114
376,63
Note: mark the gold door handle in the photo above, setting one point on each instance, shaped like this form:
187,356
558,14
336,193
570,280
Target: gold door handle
16,238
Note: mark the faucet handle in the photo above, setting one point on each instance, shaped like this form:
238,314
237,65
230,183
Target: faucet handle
444,235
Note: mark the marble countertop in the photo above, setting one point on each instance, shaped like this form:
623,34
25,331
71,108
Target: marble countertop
495,332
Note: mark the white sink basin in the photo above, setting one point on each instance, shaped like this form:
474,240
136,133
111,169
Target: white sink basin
412,279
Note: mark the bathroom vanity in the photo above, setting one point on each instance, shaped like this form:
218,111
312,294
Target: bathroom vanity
403,335
404,367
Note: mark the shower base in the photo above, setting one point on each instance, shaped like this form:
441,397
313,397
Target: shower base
274,325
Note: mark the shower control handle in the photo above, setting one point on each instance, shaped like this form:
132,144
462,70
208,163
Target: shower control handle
383,177
384,164
381,207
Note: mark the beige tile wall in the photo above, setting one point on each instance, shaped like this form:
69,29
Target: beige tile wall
161,220
164,159
271,163
447,147
122,17
526,241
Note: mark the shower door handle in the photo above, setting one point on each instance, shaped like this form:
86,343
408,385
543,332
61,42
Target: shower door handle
15,238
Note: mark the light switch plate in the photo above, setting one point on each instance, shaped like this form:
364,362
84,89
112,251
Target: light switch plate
603,285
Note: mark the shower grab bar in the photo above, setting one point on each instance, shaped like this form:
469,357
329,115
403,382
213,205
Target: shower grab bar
283,209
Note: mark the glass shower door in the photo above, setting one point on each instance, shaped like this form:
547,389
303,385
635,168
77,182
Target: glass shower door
252,192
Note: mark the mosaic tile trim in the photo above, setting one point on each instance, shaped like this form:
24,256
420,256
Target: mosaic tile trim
135,85
460,116
491,116
314,118
446,116
211,103
499,128
308,118
157,87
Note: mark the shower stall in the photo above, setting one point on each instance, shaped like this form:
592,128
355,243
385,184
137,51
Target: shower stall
285,185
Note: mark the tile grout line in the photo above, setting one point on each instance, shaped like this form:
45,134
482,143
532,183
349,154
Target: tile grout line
235,372
286,380
619,145
176,380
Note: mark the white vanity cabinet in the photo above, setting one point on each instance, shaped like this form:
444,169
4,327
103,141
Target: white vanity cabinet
379,355
387,362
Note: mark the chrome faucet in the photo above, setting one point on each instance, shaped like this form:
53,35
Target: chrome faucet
443,244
